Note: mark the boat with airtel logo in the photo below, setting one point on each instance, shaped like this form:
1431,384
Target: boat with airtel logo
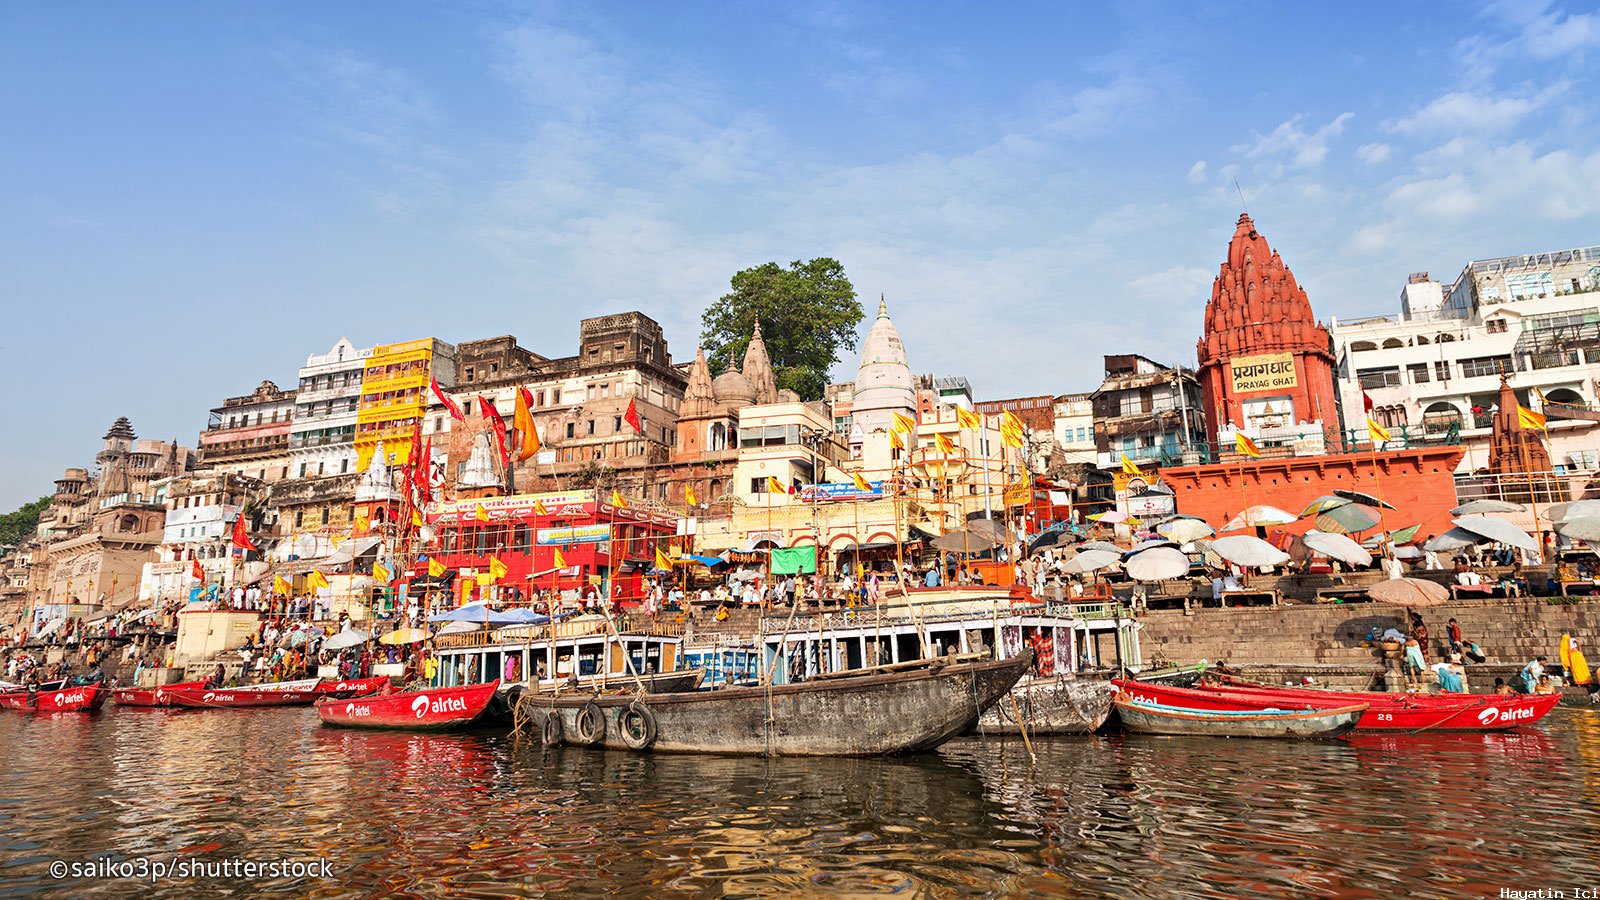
57,696
434,709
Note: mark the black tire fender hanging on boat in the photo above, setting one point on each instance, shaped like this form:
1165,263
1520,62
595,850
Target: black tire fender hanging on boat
637,726
591,725
552,732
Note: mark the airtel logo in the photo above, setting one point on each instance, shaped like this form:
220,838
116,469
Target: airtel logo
1489,716
419,706
69,698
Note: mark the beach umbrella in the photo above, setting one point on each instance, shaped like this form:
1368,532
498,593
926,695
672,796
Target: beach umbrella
1149,545
1577,509
1347,519
1049,539
1323,504
1497,530
458,626
1100,545
1248,550
1254,516
1586,529
1409,592
1405,535
1091,561
1157,564
348,638
407,635
1109,517
1454,539
1478,507
1338,547
1359,497
1185,530
966,540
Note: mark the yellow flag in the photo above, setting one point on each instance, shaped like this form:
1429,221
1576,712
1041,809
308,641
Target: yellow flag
616,499
895,442
1377,432
904,423
1128,468
861,483
363,524
281,586
662,562
774,486
481,514
381,574
317,579
943,443
1245,446
435,568
1011,430
539,510
1527,418
689,497
416,519
560,561
497,568
335,539
967,419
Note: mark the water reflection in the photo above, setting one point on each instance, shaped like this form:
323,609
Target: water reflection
482,815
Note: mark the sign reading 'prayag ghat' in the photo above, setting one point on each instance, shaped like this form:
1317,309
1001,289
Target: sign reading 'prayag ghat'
1267,372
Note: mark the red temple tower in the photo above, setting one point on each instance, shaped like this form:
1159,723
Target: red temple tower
1265,361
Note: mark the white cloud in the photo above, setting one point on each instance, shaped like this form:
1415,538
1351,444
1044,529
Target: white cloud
1458,112
1372,154
1289,146
1197,172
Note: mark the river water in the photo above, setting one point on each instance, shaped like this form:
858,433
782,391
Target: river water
481,815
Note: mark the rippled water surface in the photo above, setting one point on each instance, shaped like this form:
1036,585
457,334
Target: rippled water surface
481,815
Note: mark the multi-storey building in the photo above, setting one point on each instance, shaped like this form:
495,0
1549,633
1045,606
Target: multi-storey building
1149,412
323,431
1433,371
395,396
1074,430
249,435
200,512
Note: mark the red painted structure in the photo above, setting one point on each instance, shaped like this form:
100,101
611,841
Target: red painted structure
436,709
595,537
1256,309
1419,483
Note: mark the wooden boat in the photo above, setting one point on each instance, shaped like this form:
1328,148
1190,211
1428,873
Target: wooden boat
156,696
654,683
1052,704
1156,718
240,698
302,684
867,714
352,687
436,709
57,697
1386,712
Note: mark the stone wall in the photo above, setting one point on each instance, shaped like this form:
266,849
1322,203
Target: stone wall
1508,631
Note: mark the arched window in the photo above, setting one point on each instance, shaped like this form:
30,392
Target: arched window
1363,345
1392,343
1557,403
1444,338
130,522
718,439
1439,418
716,489
1422,340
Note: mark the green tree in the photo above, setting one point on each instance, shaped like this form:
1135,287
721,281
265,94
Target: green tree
15,526
808,314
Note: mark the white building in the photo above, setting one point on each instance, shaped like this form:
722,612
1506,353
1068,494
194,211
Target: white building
1074,430
323,432
1433,371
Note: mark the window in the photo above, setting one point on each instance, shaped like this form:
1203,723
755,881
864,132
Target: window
616,423
1529,285
571,428
1441,370
1418,373
1393,343
591,426
469,374
1495,326
538,398
1485,365
302,470
1360,346
1440,418
1388,376
344,466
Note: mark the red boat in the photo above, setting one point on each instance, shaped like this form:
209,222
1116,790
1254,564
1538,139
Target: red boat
238,698
1387,712
430,710
353,687
55,697
156,696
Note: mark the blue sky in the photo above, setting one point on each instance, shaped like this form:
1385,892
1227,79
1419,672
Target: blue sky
199,195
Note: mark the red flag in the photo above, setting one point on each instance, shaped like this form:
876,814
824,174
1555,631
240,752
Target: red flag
420,472
632,417
195,569
240,538
486,406
455,411
1366,402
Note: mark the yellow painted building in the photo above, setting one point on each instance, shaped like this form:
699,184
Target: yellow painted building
395,395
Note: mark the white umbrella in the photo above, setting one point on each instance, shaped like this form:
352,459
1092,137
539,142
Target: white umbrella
1111,517
457,627
347,638
1586,529
1157,564
1337,546
1498,530
1100,545
1091,561
1410,592
1254,516
1577,509
1248,550
1454,539
1185,530
1477,507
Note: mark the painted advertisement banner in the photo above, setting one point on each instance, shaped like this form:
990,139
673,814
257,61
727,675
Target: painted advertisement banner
847,491
578,534
1266,372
